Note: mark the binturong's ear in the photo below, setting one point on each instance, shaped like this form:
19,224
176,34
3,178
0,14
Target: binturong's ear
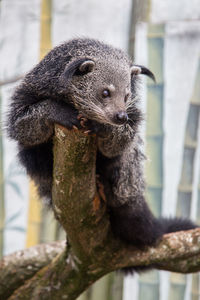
87,66
136,70
81,66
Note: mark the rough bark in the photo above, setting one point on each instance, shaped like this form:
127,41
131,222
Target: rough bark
16,268
92,251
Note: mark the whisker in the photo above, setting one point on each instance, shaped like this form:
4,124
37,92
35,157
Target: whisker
91,109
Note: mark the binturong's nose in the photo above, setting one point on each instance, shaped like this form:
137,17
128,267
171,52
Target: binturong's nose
121,117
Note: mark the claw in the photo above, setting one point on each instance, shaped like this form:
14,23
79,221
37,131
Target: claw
82,123
87,131
84,119
80,116
100,188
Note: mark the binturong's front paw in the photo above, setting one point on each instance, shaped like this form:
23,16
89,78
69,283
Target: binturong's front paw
83,123
93,127
64,115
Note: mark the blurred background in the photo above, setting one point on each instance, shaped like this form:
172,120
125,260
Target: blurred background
161,34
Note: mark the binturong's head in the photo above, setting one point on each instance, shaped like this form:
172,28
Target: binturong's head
102,84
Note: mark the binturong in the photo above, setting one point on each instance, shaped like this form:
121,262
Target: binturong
89,78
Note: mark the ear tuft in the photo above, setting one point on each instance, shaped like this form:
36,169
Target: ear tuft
87,66
136,70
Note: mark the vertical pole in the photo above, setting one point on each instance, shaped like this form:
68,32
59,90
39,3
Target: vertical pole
35,208
2,208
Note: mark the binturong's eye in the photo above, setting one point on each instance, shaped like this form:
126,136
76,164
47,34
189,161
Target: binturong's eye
106,93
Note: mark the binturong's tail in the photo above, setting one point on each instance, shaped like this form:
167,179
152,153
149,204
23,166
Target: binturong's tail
176,224
137,226
168,225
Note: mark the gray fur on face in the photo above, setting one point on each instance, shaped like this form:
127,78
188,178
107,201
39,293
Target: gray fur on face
108,74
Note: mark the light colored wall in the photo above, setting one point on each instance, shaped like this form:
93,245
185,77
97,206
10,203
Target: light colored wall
104,20
19,40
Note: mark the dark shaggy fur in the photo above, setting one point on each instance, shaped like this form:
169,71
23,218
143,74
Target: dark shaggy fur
100,82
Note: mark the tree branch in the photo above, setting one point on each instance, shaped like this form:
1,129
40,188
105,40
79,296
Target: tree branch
66,275
92,249
16,268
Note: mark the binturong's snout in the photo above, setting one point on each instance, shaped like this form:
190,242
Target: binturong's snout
121,117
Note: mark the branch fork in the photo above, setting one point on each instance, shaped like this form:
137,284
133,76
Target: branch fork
63,271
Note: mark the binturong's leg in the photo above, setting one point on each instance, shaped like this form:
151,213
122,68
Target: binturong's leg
130,216
123,181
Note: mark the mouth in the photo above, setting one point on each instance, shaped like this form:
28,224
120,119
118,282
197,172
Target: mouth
120,122
117,123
